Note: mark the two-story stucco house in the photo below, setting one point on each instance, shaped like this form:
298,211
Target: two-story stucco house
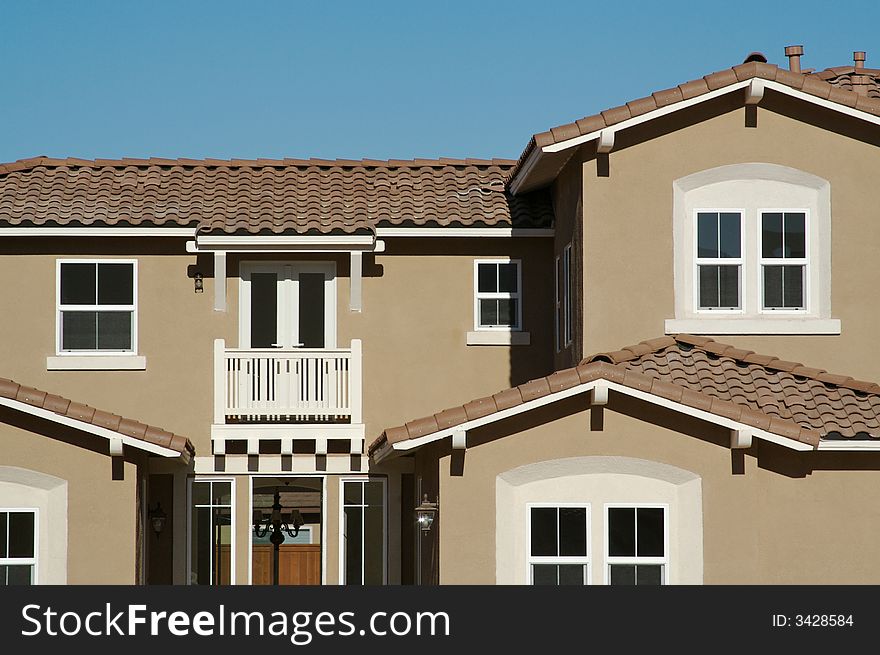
277,317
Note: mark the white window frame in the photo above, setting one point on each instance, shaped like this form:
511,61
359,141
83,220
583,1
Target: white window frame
586,560
609,561
342,505
133,308
719,261
232,518
518,326
566,296
784,261
24,561
557,303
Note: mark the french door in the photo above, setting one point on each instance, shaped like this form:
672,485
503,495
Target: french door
287,305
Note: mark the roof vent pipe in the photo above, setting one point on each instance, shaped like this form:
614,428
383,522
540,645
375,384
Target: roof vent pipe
794,52
859,59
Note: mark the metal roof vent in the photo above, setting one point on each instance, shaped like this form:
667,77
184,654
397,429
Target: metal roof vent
755,56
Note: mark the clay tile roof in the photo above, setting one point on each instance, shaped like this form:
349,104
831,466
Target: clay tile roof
803,403
81,412
844,85
303,196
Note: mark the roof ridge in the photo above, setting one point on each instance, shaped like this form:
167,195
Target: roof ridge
728,351
440,162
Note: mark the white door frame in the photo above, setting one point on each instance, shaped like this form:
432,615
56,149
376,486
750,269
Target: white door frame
250,578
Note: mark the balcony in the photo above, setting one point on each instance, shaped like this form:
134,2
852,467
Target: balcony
287,395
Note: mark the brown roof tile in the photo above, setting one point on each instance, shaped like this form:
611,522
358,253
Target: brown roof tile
80,412
268,196
763,391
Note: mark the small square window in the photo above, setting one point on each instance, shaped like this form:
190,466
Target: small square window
498,295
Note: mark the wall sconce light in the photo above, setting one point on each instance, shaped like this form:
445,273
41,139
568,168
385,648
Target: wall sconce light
158,518
200,285
426,513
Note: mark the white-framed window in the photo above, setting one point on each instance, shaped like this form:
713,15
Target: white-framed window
96,306
564,313
718,259
498,294
211,531
784,260
558,544
636,544
364,532
18,546
774,279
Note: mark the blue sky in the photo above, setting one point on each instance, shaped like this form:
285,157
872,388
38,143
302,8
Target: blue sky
368,79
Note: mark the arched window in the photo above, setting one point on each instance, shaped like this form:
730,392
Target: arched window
599,520
33,527
752,252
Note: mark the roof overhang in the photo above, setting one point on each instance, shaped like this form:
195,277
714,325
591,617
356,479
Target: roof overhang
286,243
75,231
543,163
741,433
115,439
467,232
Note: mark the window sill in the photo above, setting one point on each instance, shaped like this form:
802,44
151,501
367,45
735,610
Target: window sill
96,363
762,325
498,338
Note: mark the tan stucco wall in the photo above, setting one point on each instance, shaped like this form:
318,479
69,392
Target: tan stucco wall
775,523
418,306
101,512
628,239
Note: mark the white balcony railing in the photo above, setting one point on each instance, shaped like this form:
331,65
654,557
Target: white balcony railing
298,385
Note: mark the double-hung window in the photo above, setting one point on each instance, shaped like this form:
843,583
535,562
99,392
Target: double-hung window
97,306
719,260
18,546
636,545
498,294
783,260
559,544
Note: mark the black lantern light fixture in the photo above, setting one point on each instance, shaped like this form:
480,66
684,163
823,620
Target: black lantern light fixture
426,513
199,283
278,525
157,519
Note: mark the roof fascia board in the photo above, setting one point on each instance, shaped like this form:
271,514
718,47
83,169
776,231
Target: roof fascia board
644,118
850,445
535,155
409,444
90,428
821,102
463,232
97,231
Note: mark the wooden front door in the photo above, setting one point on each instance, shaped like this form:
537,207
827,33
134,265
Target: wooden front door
298,564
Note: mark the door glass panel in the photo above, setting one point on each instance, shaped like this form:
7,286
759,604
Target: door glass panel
311,310
264,310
